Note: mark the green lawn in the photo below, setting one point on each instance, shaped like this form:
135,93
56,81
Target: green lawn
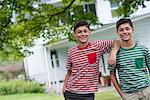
107,96
99,96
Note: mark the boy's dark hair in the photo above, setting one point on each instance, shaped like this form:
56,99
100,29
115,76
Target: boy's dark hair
123,21
81,23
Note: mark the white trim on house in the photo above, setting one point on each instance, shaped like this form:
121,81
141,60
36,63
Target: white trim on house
48,68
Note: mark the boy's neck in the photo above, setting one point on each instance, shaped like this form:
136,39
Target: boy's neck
83,45
127,44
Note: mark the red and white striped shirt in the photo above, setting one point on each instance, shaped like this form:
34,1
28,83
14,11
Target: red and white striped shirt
84,64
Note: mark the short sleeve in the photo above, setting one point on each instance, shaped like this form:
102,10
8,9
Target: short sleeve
147,58
68,62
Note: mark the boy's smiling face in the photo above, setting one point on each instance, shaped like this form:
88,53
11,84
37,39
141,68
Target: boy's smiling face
125,32
82,34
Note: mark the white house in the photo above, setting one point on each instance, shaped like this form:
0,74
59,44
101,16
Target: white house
48,63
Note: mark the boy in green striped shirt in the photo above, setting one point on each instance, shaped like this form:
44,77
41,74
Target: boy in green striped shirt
132,65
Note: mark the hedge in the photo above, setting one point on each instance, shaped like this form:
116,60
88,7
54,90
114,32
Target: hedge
20,86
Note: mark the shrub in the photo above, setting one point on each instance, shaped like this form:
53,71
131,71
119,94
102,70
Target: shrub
4,75
20,86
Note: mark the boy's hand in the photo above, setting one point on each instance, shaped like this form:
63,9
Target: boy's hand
63,90
123,98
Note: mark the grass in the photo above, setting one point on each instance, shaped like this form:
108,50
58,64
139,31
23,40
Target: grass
40,96
107,96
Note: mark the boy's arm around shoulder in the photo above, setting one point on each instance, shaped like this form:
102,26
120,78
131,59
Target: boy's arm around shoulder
114,49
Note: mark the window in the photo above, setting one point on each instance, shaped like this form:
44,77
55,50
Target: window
114,6
54,58
90,8
85,8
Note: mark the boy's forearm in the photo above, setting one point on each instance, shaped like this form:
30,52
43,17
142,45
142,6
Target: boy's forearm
114,49
115,46
65,83
116,84
66,78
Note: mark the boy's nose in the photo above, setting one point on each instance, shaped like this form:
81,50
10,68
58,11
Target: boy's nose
125,31
83,33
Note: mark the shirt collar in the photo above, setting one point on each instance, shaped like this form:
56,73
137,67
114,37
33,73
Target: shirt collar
84,47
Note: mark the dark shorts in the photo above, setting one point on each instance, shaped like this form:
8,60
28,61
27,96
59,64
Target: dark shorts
73,96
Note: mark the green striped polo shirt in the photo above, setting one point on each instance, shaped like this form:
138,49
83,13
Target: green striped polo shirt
132,66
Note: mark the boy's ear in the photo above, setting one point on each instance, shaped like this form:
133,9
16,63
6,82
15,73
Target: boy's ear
74,35
117,32
133,29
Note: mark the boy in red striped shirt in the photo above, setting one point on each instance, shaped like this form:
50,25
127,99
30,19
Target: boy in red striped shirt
82,76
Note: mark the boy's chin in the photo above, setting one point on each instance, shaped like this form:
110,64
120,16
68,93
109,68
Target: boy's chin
125,40
83,42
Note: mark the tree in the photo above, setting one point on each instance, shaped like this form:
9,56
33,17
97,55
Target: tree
34,20
37,19
128,7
